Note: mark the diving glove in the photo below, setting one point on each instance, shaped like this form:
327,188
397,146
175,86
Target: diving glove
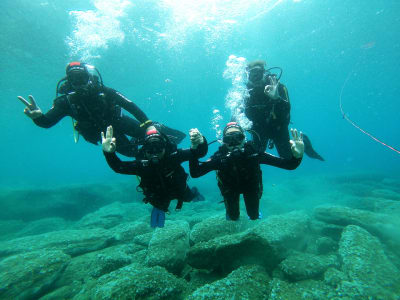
297,145
196,138
31,110
108,143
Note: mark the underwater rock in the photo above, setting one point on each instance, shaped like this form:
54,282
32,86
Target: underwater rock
69,241
247,282
169,246
216,226
43,226
32,274
135,282
266,244
299,266
333,277
325,229
112,215
325,245
366,264
95,264
304,290
127,232
143,239
389,207
9,228
386,194
380,225
70,202
65,292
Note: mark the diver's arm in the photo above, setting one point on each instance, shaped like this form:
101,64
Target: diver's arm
188,154
297,148
129,106
108,143
59,110
198,169
49,119
122,167
283,163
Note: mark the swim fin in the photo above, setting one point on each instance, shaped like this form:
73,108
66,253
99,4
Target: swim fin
174,135
309,150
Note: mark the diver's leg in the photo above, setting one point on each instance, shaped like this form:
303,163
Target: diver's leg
124,145
129,126
282,142
231,200
260,138
252,202
157,218
309,150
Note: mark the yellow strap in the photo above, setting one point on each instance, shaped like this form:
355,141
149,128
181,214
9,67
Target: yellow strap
145,123
76,133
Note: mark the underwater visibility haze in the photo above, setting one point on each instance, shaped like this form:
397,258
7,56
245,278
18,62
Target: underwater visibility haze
183,63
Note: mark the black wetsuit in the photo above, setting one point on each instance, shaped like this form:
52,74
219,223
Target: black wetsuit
271,119
238,173
97,109
164,181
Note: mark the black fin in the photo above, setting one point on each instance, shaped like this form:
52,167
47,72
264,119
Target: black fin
309,150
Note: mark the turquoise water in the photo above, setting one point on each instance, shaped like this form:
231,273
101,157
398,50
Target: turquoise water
169,57
178,61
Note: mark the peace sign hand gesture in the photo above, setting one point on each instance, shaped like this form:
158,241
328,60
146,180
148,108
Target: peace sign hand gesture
108,143
31,110
297,143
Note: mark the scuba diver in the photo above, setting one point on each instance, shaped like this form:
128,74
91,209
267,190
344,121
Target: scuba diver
237,163
162,178
94,106
268,107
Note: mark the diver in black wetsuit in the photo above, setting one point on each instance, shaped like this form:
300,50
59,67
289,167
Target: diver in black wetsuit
94,107
237,163
268,107
162,178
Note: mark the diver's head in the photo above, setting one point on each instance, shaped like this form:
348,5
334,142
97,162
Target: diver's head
255,71
233,136
154,145
78,76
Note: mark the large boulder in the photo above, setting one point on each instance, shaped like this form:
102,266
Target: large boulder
169,246
96,264
366,264
301,290
72,242
30,275
112,215
217,226
381,225
247,282
135,282
266,244
300,266
42,226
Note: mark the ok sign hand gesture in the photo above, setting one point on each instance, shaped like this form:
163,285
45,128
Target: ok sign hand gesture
297,144
108,142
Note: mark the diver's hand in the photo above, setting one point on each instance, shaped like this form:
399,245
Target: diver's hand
108,143
31,110
297,143
196,138
272,90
